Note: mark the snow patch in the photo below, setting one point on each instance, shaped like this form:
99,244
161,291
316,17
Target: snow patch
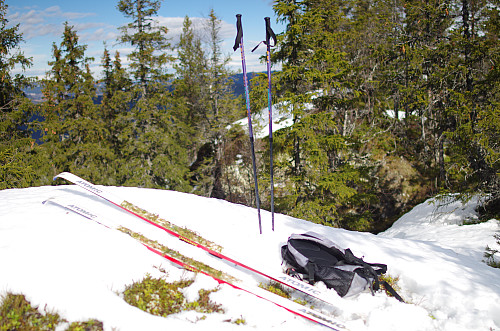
78,268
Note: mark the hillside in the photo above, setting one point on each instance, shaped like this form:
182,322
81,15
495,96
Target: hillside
63,262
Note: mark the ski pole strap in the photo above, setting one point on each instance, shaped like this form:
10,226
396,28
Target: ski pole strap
269,34
239,32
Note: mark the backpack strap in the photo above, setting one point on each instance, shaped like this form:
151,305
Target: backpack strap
392,291
368,270
310,272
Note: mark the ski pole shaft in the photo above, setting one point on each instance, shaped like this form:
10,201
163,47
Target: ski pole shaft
269,35
238,43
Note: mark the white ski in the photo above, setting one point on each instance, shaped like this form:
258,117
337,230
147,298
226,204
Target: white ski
197,241
282,302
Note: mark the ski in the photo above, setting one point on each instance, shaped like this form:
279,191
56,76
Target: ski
194,239
188,264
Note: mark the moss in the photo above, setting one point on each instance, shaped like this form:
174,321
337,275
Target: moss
204,304
17,313
276,288
239,321
158,297
187,234
199,266
90,325
392,281
302,302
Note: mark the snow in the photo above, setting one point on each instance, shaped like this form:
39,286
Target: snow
66,263
260,120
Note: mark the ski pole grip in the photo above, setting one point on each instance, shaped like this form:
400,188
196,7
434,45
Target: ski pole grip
268,22
239,32
269,32
268,27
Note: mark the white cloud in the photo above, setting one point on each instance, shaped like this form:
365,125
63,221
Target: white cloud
175,25
41,22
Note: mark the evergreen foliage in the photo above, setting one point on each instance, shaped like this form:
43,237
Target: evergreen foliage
391,101
15,109
153,137
324,104
75,137
430,61
490,254
203,90
149,41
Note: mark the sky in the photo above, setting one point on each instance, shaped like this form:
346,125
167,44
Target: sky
97,22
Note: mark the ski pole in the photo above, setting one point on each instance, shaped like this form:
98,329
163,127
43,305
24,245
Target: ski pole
238,43
270,34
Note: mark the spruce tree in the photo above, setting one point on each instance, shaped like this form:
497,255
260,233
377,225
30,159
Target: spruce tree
75,135
148,39
317,86
473,108
203,90
115,105
16,166
223,109
153,139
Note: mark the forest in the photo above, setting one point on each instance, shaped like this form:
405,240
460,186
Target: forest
391,101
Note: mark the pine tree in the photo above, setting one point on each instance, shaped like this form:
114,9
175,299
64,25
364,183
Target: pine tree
317,89
75,136
223,109
473,108
115,105
153,138
150,44
191,72
15,110
191,94
202,89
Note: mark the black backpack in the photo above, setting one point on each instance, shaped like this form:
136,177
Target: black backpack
315,258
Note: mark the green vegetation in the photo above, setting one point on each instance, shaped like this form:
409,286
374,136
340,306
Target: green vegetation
391,102
157,297
239,321
188,234
282,291
392,281
276,288
489,254
199,266
16,313
90,325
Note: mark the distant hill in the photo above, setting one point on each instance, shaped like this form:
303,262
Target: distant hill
35,93
239,87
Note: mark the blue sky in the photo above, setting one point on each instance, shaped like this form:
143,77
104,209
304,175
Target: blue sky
97,21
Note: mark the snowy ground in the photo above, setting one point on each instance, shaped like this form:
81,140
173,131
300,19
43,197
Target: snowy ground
64,262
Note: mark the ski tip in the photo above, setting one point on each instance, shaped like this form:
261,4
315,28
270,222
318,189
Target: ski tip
48,200
57,176
62,175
